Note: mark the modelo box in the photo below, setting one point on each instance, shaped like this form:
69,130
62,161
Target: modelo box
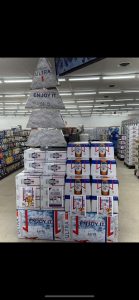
62,226
78,167
33,166
105,187
105,205
78,150
89,228
35,224
28,197
54,168
52,192
76,204
56,156
103,167
78,185
112,229
34,154
102,150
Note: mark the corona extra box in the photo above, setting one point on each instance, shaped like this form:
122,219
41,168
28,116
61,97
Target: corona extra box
105,187
78,150
102,150
35,224
78,185
78,167
103,167
89,228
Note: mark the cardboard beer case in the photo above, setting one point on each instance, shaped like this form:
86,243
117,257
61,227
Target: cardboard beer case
33,166
103,167
78,167
105,205
112,228
76,204
102,150
35,224
28,197
105,186
34,154
56,156
55,168
27,179
62,226
78,150
78,185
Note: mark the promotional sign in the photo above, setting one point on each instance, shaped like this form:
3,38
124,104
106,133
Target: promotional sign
45,138
45,118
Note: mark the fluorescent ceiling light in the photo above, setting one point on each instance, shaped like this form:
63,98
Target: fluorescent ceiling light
61,79
110,92
73,106
104,100
65,94
1,96
14,96
0,81
133,104
84,101
84,93
85,106
98,109
105,105
66,102
17,80
117,104
124,100
84,78
73,110
131,91
11,103
119,77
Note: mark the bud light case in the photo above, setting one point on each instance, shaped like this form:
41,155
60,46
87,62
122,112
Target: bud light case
91,228
35,224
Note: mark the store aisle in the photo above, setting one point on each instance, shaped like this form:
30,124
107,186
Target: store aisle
128,207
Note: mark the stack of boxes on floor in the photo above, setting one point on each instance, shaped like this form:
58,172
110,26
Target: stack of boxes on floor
137,157
131,135
121,146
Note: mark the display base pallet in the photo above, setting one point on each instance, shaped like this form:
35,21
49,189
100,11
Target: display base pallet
120,158
11,172
129,166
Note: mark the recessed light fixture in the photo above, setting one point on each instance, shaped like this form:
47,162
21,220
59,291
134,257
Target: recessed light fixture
105,100
17,80
118,77
120,100
117,104
131,91
84,101
85,106
109,92
106,105
65,94
133,104
84,93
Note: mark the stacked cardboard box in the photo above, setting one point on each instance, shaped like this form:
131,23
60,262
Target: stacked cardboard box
121,146
105,186
131,135
137,157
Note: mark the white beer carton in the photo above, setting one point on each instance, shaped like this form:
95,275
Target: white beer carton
112,228
34,154
35,224
89,228
105,187
102,150
54,168
78,204
103,167
78,150
78,185
28,197
52,192
78,167
27,179
34,166
56,156
62,225
105,205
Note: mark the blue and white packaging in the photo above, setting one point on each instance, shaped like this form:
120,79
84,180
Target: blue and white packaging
34,154
91,228
105,205
103,167
56,156
105,186
62,225
54,168
78,150
78,185
35,224
27,179
78,167
28,197
112,229
33,166
102,150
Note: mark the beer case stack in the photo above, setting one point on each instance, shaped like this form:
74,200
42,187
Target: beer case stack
121,146
40,187
105,186
137,157
131,135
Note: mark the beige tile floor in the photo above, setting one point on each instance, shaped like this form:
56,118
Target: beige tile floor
128,207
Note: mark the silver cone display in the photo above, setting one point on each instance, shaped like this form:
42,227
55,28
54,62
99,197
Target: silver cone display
44,76
49,138
44,98
45,118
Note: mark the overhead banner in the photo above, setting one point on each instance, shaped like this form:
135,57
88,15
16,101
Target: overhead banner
66,65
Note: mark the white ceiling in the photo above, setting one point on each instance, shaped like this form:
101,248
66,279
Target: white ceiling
11,68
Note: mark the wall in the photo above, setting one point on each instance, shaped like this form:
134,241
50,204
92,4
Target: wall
11,121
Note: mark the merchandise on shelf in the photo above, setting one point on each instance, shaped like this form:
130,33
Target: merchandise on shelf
121,146
132,132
